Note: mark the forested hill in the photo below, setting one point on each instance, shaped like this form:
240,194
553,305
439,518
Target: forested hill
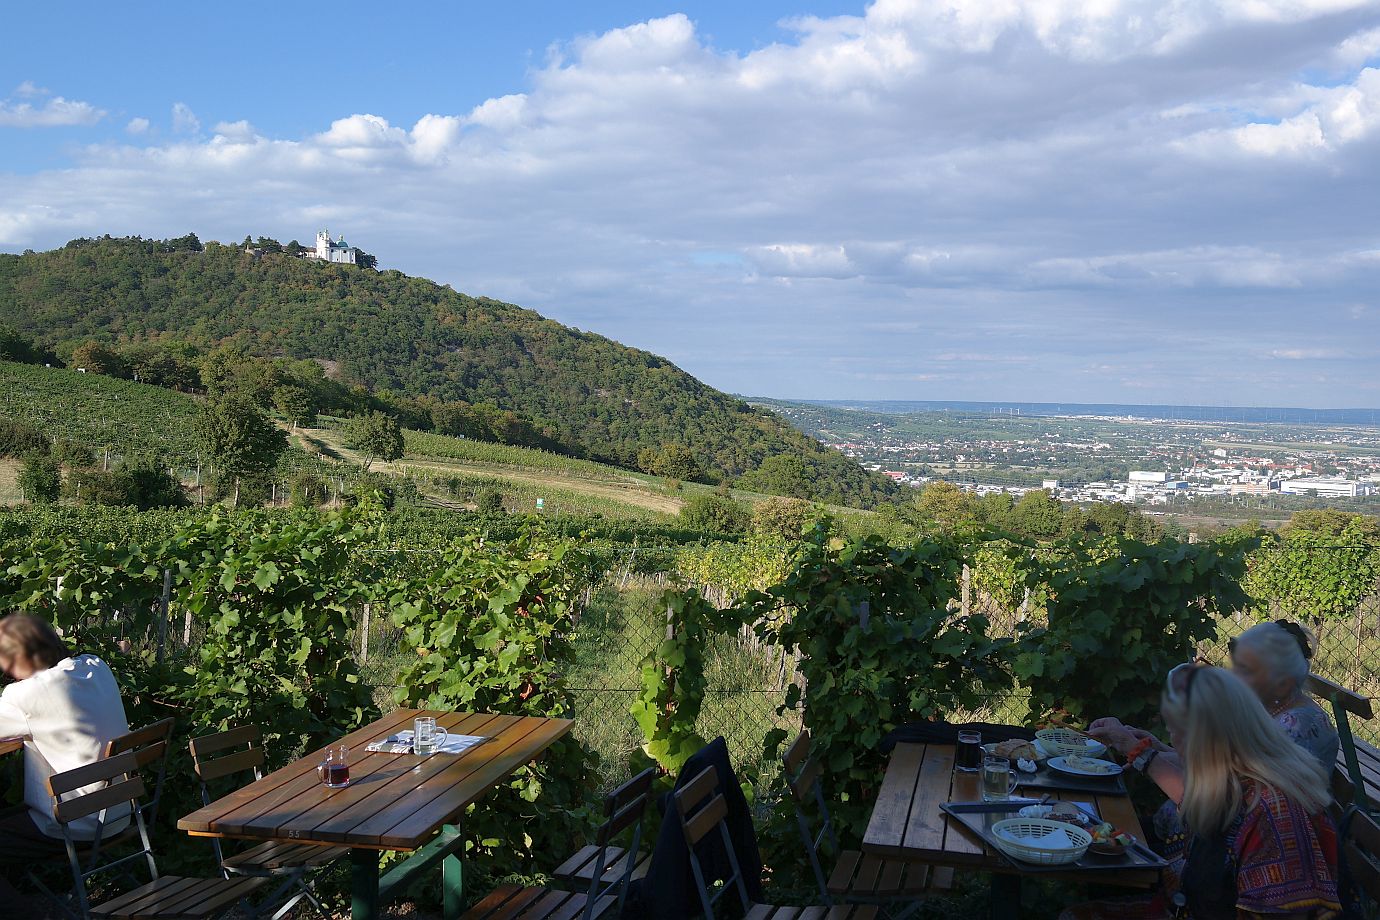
409,337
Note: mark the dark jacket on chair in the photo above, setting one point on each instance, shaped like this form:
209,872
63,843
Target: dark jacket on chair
668,890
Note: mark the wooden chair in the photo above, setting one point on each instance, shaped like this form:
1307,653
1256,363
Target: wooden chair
1360,855
117,798
612,865
703,811
151,746
855,877
592,873
1361,761
241,750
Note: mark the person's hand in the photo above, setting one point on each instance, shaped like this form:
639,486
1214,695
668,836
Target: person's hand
1111,732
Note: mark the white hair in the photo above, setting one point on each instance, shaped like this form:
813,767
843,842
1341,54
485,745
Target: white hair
1279,650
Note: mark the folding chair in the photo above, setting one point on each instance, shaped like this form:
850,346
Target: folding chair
1360,857
855,876
241,750
117,799
612,865
702,811
592,873
151,746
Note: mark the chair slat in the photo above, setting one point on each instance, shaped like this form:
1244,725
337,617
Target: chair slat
705,820
803,785
795,754
208,745
208,770
149,734
637,787
89,803
100,771
697,790
1352,702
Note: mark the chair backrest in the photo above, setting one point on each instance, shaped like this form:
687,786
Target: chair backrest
236,750
151,746
1361,852
1345,703
702,811
118,783
802,773
623,811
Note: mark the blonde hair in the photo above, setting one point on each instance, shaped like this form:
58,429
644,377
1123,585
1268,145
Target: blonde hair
1226,738
32,638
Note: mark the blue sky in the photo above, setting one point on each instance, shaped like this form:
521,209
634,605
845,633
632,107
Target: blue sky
950,199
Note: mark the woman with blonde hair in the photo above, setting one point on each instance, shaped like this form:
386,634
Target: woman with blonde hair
1255,806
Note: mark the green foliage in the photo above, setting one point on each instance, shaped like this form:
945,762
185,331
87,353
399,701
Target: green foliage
19,439
72,454
713,512
376,436
16,347
238,437
307,491
295,404
781,518
95,358
41,478
673,461
673,678
488,501
878,647
491,624
413,339
1321,566
734,569
1121,614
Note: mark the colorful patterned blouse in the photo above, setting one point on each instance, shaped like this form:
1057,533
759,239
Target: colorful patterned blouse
1286,859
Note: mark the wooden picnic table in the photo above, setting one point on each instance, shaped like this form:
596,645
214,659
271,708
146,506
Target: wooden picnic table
10,745
908,824
394,801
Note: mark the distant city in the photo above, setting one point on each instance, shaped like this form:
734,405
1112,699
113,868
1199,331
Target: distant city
1285,415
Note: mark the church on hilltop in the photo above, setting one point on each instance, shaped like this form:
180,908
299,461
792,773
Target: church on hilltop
328,250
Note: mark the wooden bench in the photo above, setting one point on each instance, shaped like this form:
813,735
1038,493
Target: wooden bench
1358,761
855,876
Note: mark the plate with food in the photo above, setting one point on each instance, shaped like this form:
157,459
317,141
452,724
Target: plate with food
1013,750
1085,766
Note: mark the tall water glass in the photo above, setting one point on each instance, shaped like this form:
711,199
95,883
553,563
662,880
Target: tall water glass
427,736
998,779
968,755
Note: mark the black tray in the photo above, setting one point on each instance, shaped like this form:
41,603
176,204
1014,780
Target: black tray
979,817
1046,778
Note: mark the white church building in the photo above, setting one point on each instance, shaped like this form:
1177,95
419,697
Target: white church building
328,250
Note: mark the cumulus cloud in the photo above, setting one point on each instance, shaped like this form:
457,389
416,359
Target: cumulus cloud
980,197
31,106
137,126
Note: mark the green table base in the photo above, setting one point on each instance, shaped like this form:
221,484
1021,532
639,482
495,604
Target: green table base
368,891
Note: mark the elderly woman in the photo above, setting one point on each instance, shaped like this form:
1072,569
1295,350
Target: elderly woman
1272,660
1255,808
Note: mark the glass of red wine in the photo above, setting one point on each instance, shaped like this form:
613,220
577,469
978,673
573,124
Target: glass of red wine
968,755
334,768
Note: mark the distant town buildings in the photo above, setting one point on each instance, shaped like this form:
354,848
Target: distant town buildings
1327,488
328,250
1147,476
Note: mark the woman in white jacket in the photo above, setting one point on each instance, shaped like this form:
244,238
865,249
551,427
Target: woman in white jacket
66,708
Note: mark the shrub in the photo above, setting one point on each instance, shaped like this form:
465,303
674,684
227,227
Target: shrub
489,501
781,518
72,454
18,438
307,491
41,478
715,513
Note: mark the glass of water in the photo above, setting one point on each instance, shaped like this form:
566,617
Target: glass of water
998,779
427,736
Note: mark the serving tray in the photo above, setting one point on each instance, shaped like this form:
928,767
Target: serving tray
979,817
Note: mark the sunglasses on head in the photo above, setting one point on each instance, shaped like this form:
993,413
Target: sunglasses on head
1179,684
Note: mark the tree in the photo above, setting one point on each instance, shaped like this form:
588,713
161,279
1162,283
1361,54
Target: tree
945,504
96,358
295,404
674,461
376,436
15,347
1038,514
782,474
72,454
41,478
714,512
489,501
238,438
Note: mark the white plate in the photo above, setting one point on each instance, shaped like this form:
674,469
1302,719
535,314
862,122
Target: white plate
1095,748
1063,766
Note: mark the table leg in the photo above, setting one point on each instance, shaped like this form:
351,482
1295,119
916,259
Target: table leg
452,882
364,884
1006,896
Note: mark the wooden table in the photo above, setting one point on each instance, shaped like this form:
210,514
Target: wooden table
10,745
907,824
394,801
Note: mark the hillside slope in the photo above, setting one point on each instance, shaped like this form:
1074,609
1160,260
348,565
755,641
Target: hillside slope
388,332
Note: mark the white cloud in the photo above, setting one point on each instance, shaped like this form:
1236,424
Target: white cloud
51,112
184,120
1022,187
137,126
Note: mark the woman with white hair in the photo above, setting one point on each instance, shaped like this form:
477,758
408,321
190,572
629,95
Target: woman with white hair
1254,804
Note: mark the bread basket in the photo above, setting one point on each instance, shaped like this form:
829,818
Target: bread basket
1066,742
1030,831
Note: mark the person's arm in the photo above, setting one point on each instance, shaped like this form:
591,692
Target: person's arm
1166,770
13,722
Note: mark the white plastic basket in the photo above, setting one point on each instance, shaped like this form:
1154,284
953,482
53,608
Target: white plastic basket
1068,743
1030,831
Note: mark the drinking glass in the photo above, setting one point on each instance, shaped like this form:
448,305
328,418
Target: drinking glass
427,736
998,779
334,768
968,756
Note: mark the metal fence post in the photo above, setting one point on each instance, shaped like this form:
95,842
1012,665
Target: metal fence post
364,637
163,620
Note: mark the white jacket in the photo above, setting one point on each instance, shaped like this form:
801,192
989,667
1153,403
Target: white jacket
66,715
